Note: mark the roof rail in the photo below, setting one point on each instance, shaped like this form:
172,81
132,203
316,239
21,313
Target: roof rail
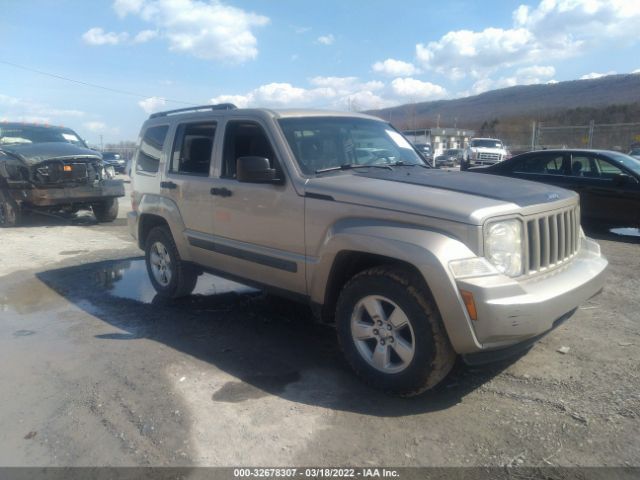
220,106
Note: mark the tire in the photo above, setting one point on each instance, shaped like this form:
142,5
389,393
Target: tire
106,211
384,290
10,213
170,276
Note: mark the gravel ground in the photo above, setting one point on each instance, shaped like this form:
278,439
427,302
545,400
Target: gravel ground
95,370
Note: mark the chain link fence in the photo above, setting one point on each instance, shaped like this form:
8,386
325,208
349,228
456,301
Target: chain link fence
607,136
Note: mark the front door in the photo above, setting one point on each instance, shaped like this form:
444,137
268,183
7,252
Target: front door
258,227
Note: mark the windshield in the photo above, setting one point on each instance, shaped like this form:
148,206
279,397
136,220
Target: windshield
24,134
453,151
629,162
324,142
635,152
486,143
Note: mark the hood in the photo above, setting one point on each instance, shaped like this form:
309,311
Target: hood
457,196
32,153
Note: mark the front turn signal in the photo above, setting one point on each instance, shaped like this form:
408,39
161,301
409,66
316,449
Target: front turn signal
470,304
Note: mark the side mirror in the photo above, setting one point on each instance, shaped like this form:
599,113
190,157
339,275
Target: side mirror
255,170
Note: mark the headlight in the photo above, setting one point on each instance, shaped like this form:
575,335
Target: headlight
503,246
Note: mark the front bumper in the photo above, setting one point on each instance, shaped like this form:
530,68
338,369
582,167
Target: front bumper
511,311
49,197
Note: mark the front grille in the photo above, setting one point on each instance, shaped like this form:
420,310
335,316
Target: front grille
552,239
489,156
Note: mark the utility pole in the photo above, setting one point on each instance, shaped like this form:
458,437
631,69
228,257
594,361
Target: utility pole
438,122
101,144
533,135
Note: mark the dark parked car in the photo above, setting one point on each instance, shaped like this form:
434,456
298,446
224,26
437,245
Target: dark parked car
115,160
47,168
425,150
450,158
608,182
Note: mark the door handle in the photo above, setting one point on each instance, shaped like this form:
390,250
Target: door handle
169,185
222,192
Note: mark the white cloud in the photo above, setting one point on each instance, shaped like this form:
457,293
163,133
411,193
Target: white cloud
144,36
523,76
97,36
207,30
124,7
637,70
326,39
337,93
592,75
395,68
95,126
416,90
21,110
152,104
554,29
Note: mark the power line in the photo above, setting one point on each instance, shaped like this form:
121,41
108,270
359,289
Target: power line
93,85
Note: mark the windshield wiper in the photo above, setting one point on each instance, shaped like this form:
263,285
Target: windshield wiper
400,163
351,166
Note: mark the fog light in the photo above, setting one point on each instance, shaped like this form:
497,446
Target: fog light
467,297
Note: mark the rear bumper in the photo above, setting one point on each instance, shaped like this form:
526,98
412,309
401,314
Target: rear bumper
48,197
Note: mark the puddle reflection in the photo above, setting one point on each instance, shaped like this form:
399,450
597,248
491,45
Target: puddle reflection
129,279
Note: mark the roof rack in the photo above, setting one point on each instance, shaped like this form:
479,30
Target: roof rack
220,106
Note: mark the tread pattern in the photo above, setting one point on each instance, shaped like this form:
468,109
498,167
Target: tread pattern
444,356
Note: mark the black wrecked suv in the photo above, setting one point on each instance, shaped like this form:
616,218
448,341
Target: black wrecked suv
47,168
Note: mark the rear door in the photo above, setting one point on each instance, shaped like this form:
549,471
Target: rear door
544,167
188,179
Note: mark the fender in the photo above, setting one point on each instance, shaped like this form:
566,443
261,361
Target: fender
429,251
151,204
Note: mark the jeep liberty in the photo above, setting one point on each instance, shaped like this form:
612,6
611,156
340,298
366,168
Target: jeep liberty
414,265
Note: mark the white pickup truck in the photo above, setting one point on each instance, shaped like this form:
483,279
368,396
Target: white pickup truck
483,151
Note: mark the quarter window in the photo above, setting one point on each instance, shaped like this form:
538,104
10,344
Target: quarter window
150,149
193,148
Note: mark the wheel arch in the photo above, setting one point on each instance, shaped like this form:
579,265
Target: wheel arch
355,245
154,211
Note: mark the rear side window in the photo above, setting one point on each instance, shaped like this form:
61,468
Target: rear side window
541,164
151,149
192,148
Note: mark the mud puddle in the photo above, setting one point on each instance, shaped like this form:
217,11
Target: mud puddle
129,279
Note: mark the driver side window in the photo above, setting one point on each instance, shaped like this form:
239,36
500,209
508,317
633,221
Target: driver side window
245,139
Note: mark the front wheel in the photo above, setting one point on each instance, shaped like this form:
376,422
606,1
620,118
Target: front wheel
106,211
391,333
169,274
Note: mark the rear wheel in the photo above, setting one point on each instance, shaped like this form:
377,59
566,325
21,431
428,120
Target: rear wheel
169,274
10,213
391,333
106,211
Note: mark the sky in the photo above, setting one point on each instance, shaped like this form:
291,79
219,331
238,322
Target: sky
101,67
